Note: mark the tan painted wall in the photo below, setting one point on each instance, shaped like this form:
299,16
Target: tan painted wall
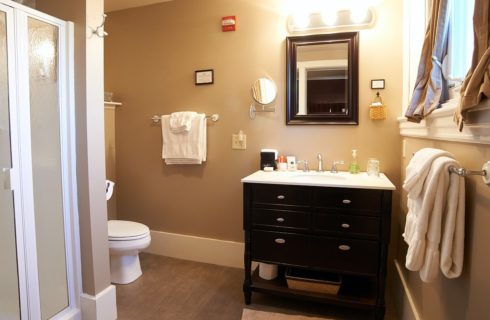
467,296
110,156
151,55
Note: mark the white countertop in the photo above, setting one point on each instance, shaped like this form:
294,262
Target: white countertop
341,179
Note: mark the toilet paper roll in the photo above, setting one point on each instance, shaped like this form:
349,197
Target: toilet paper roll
109,189
267,271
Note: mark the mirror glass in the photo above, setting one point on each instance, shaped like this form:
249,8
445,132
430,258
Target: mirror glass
264,91
322,72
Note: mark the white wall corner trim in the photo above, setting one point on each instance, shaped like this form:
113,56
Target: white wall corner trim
404,302
439,125
102,306
206,250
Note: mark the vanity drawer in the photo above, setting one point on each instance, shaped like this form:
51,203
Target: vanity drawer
362,201
280,218
348,225
346,255
280,195
279,247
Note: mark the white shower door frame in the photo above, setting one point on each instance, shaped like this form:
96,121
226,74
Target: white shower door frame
21,172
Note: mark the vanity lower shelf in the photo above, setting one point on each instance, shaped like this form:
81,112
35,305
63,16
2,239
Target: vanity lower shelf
354,291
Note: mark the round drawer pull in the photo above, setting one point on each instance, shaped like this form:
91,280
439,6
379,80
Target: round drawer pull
280,219
281,197
345,225
346,201
280,241
344,247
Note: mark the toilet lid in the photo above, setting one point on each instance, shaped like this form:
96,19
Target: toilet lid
126,230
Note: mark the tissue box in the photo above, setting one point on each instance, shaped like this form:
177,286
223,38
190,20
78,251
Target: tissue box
313,281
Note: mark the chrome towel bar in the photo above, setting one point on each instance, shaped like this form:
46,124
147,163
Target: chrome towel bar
214,117
484,172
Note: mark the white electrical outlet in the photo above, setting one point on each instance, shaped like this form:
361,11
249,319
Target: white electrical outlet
237,143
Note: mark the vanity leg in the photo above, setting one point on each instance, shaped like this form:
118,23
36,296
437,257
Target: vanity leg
247,293
379,313
247,283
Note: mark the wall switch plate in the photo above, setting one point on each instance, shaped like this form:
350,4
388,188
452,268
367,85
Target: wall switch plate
237,144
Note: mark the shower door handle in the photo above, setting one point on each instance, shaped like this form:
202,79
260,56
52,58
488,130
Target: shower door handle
6,179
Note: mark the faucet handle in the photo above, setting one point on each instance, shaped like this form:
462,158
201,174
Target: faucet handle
334,165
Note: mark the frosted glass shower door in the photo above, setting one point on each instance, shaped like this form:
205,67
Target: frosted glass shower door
47,171
9,280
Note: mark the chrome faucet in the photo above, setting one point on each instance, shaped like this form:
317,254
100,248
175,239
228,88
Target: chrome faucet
334,166
320,163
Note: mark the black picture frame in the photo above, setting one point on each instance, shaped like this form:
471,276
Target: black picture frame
378,84
203,77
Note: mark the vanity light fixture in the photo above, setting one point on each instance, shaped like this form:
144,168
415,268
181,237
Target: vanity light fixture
358,18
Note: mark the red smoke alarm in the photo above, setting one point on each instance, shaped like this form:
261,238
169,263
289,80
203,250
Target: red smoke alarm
228,23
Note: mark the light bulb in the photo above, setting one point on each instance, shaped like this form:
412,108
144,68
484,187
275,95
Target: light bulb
358,14
329,17
301,20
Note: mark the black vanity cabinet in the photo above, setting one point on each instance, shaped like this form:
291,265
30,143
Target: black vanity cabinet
329,229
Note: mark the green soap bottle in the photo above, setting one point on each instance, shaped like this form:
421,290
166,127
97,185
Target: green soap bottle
354,166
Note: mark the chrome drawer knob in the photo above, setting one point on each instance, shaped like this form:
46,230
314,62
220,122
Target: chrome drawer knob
346,201
280,219
280,241
344,247
281,197
345,225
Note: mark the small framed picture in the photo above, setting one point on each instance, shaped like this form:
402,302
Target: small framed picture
204,77
378,84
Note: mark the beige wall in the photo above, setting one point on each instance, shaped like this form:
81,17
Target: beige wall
467,296
151,55
110,156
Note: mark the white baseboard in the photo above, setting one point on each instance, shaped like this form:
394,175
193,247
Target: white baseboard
207,250
102,306
405,305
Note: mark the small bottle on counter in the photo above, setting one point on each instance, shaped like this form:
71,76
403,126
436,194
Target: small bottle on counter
354,166
282,164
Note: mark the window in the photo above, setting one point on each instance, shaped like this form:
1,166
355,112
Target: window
460,45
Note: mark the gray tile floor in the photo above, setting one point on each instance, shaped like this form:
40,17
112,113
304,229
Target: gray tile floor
185,290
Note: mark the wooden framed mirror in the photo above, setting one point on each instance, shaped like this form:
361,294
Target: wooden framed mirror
322,79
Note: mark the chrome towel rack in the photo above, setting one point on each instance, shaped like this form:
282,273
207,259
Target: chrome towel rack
214,117
484,172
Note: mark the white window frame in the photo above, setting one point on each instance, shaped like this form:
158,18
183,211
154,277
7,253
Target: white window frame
439,125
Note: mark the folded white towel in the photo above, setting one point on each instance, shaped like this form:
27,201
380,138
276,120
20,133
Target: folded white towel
181,122
418,168
184,148
434,228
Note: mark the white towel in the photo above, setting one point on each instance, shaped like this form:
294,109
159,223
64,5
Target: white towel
418,168
434,228
184,148
181,122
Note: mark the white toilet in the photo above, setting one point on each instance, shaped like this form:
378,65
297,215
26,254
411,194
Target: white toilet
126,240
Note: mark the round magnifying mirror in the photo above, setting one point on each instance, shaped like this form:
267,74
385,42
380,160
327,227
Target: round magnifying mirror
264,91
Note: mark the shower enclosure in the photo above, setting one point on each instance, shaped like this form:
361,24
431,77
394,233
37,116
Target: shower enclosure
39,272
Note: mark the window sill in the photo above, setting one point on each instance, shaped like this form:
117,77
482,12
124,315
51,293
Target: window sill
439,125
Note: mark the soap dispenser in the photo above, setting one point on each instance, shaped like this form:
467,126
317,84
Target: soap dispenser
354,166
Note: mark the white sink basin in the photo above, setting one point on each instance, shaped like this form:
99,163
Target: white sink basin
318,176
341,179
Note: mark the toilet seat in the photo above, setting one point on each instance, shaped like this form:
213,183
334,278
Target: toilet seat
121,230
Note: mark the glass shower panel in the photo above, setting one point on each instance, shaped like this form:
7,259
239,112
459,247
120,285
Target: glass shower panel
46,166
9,284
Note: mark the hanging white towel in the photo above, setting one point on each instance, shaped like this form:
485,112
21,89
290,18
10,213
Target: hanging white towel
181,122
434,228
184,148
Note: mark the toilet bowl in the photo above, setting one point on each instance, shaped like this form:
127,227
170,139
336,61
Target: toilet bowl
126,240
